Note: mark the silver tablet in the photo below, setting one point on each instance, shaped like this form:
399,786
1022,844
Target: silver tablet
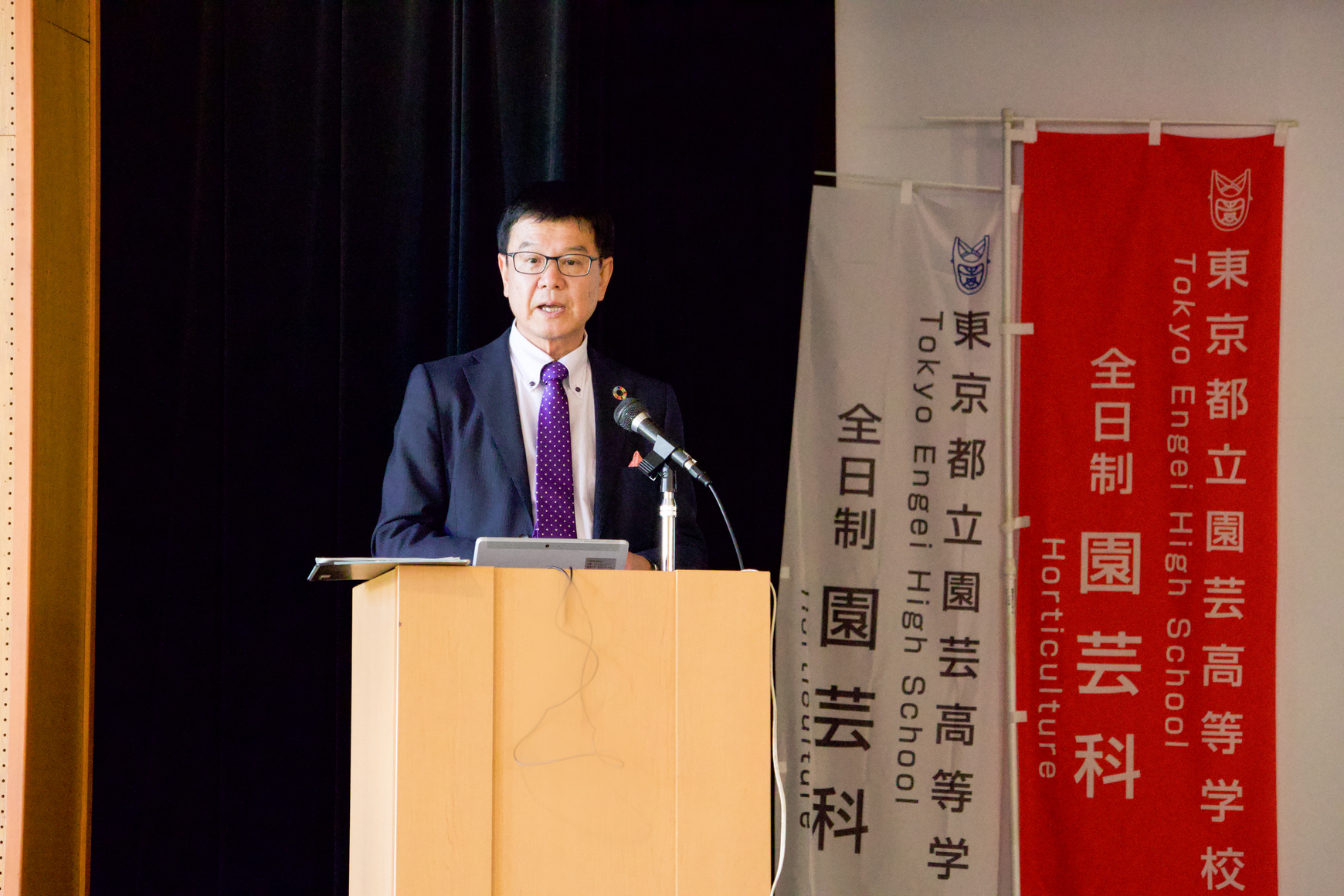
540,553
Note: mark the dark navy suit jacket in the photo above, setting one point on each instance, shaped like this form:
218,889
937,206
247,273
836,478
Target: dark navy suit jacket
458,469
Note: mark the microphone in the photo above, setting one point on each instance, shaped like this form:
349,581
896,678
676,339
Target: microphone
631,415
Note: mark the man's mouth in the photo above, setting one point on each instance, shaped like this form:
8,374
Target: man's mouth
550,309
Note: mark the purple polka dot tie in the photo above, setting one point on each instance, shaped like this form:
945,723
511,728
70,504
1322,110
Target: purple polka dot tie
555,473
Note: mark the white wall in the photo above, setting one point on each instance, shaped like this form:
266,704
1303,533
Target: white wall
1242,60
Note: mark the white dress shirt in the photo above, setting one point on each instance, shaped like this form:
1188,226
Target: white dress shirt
527,363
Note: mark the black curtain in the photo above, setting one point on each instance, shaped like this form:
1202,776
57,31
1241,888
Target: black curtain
299,202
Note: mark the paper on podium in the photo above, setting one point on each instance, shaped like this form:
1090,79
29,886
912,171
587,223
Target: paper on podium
360,569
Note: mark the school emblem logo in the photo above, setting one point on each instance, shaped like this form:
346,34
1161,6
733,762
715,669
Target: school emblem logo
971,264
1229,200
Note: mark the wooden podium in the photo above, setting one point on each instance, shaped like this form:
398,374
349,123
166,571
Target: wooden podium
515,733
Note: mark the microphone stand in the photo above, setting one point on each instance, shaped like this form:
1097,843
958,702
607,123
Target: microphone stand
667,512
654,466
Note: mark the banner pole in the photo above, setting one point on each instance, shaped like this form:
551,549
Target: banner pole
1280,124
1010,506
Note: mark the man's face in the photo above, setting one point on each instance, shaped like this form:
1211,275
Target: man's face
552,309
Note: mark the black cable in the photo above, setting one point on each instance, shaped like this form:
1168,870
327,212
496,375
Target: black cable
731,533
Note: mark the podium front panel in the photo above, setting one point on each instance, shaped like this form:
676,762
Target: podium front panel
585,736
605,734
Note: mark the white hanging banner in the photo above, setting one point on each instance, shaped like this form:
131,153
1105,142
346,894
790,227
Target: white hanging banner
889,651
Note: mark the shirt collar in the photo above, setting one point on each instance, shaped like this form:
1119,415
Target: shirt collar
528,359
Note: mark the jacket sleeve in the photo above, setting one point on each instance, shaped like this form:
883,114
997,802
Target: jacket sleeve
416,488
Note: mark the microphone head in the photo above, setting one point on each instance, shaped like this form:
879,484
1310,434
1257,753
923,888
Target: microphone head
627,411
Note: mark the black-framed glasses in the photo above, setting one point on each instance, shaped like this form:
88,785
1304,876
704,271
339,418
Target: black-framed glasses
569,265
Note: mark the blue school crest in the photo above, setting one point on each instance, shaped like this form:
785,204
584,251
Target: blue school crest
971,264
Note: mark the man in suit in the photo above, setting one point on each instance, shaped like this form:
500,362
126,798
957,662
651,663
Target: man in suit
475,449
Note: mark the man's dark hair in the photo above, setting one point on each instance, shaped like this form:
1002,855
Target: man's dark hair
557,200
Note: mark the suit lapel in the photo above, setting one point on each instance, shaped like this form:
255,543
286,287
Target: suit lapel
491,382
610,443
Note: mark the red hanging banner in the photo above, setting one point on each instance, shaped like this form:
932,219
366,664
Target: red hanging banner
1148,457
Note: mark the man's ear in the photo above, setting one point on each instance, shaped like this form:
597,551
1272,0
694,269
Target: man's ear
608,265
503,271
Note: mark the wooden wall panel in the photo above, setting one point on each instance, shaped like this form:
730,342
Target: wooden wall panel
56,345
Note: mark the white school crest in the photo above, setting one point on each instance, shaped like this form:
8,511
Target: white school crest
971,264
1229,200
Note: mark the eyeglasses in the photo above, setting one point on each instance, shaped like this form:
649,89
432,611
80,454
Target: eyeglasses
535,263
